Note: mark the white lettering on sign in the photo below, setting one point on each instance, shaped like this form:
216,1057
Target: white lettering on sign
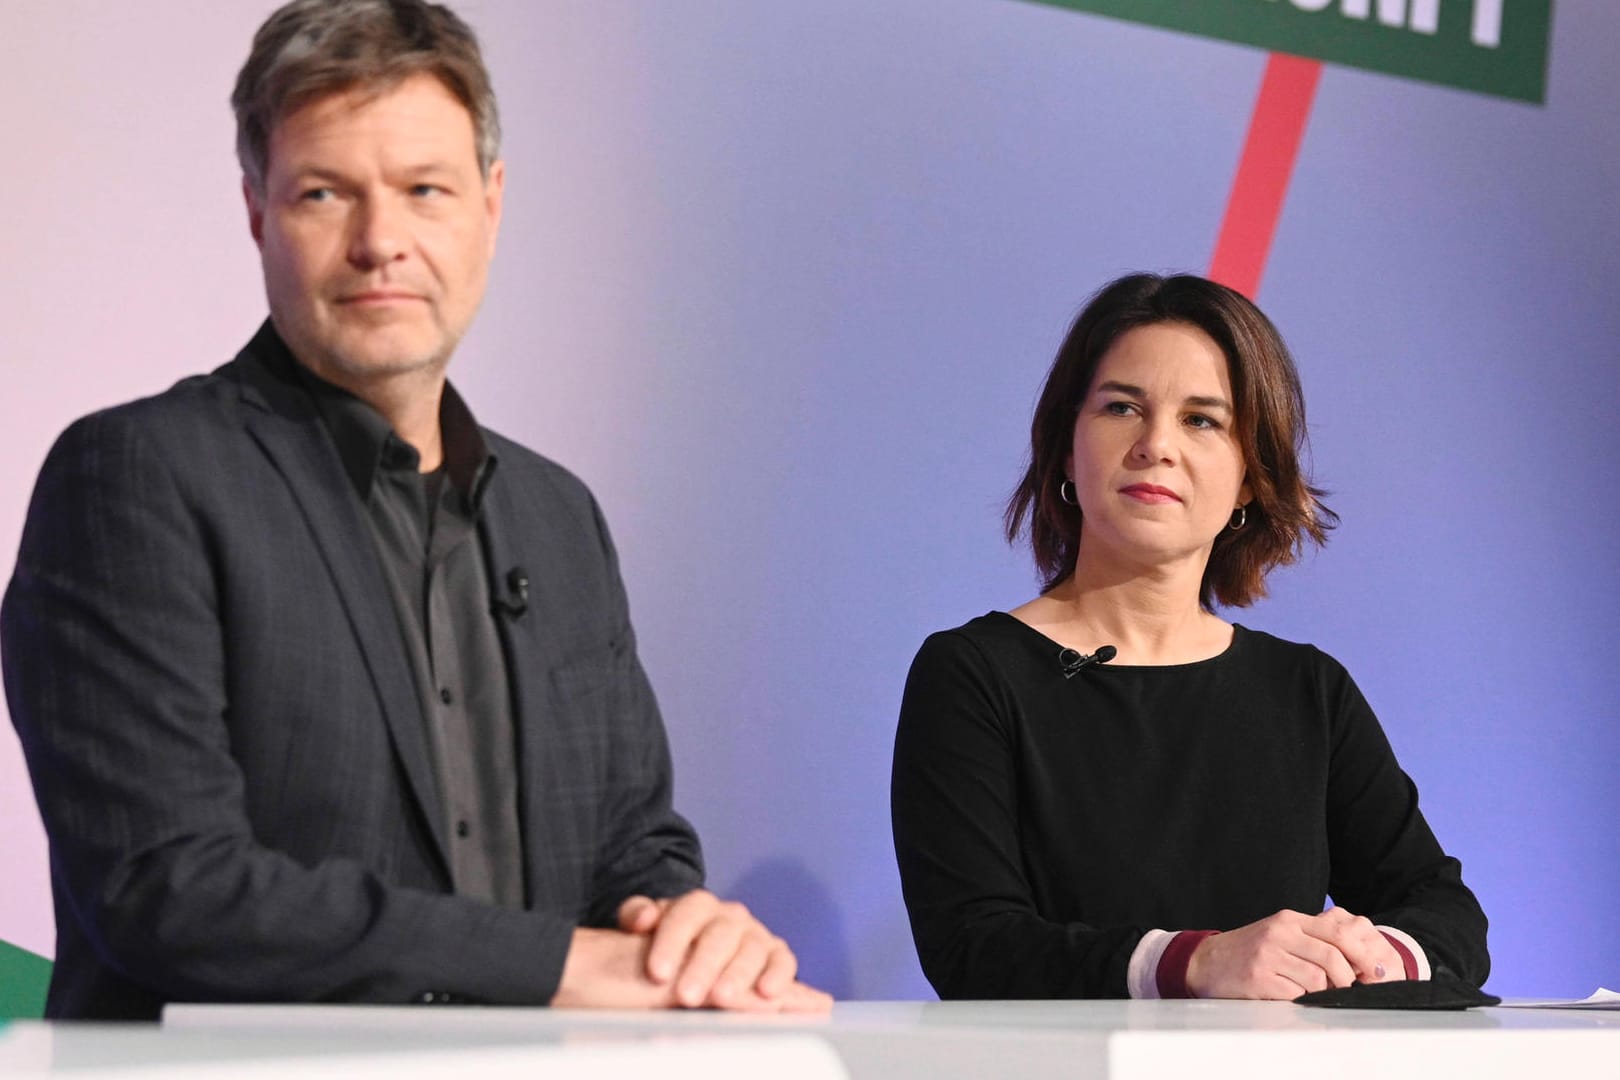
1487,23
1422,16
1425,13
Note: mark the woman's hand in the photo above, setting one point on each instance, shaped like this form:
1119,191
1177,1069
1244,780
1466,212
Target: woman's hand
1289,954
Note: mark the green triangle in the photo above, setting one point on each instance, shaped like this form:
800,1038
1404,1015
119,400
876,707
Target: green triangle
24,977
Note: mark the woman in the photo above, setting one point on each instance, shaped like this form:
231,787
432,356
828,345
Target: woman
1171,821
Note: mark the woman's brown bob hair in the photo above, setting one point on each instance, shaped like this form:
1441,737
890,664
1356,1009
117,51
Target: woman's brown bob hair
1269,425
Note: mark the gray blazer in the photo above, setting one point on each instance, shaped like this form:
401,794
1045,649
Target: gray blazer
219,716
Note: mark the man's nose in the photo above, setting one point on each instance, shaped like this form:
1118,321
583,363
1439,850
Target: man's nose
380,234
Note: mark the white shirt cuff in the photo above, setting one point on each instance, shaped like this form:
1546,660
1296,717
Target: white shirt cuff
1423,972
1142,976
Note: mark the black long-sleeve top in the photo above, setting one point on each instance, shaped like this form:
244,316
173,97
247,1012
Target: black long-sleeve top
1042,825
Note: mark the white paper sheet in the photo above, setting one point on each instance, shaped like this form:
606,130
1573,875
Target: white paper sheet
1601,999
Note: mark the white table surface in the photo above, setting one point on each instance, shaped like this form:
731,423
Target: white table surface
1121,1040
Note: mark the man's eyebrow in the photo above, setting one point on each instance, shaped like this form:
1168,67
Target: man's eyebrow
1197,400
313,172
429,168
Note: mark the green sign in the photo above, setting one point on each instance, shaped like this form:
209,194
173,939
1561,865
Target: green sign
23,981
1490,46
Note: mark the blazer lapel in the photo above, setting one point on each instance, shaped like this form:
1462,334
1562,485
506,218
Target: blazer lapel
281,418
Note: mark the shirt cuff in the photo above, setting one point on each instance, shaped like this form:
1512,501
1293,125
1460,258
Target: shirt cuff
1412,954
1158,967
1142,976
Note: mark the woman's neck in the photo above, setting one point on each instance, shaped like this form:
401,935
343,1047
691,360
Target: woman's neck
1150,615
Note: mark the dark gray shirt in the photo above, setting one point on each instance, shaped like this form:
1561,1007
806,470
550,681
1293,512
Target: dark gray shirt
425,526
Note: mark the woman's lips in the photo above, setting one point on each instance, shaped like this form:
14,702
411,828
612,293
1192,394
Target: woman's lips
1150,493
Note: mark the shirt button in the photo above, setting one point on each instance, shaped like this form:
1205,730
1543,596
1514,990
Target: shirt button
463,829
445,695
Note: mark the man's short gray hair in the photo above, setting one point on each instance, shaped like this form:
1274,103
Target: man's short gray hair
311,48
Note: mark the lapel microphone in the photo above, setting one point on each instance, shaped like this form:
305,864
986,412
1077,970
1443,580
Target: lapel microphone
1074,661
516,601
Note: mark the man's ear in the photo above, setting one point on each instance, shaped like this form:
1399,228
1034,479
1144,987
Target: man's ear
255,210
494,194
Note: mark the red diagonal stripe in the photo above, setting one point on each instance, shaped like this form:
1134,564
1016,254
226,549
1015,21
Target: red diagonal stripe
1275,131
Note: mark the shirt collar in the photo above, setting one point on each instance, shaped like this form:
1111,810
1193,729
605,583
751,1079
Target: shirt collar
365,441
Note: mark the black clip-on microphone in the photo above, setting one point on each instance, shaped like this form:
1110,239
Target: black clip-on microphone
516,601
1074,661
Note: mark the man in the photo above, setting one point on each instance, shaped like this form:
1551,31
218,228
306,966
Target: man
327,693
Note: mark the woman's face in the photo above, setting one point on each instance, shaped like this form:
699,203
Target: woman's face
1156,466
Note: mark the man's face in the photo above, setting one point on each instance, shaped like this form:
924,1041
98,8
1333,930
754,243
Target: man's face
376,229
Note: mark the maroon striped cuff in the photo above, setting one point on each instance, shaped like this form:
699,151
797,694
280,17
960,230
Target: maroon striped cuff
1407,959
1171,976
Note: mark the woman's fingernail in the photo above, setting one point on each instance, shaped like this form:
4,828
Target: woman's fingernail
1378,971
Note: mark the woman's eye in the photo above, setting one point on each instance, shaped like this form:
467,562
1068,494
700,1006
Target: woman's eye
1117,408
1202,422
320,194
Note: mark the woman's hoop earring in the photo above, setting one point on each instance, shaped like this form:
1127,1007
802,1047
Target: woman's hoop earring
1067,493
1240,518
